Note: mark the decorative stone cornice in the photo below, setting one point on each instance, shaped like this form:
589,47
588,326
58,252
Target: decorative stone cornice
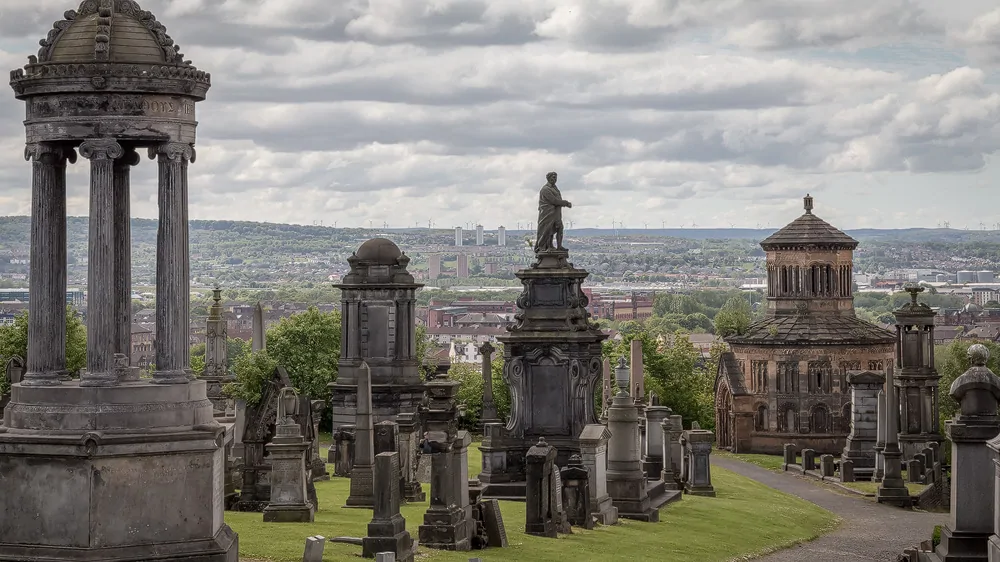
101,149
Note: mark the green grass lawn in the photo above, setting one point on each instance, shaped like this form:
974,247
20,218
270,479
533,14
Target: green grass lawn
745,519
770,462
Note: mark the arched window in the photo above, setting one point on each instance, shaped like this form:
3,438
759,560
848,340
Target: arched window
820,419
760,419
787,419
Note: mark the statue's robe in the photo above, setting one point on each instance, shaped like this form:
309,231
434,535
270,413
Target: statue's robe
550,204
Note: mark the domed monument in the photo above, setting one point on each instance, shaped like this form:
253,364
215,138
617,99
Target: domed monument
786,379
87,457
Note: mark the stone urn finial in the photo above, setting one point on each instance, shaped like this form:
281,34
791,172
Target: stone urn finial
978,354
288,405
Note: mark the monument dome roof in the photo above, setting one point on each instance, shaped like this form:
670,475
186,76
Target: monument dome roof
808,230
379,250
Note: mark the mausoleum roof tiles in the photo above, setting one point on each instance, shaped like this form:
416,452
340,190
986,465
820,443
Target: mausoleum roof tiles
808,230
813,329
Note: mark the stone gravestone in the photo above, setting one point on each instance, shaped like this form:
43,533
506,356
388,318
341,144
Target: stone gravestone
594,453
826,466
343,451
387,441
652,453
539,514
409,437
558,512
699,470
808,459
362,473
258,430
915,469
674,436
318,465
861,442
496,533
626,481
576,493
387,530
971,523
789,455
847,470
289,473
314,549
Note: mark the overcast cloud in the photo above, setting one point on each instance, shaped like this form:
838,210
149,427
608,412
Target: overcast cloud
657,112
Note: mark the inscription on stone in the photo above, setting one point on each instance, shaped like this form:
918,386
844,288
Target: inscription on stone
111,104
550,382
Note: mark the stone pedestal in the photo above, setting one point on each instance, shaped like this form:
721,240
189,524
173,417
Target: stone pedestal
387,530
448,522
967,535
152,445
594,455
652,452
552,364
698,443
539,511
342,451
860,448
626,481
289,467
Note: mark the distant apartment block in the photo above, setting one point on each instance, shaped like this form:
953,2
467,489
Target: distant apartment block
434,266
462,267
501,236
458,235
479,235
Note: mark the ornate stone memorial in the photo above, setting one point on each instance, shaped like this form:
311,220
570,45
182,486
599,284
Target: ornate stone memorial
378,300
626,481
860,448
216,372
698,445
916,378
552,358
289,476
110,82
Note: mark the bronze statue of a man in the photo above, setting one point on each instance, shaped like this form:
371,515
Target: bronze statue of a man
550,204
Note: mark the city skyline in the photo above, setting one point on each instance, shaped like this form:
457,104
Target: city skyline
654,114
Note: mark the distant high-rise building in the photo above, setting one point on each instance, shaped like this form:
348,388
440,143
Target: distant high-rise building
458,235
434,267
462,267
479,235
501,236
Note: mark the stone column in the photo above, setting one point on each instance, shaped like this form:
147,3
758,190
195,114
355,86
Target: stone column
102,321
489,406
123,252
172,265
652,452
46,361
892,489
971,523
880,438
362,493
626,481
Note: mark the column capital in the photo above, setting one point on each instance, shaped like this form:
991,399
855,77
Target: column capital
38,150
129,157
101,149
174,151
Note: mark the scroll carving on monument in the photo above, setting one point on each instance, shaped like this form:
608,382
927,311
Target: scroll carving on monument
42,150
101,149
513,375
173,151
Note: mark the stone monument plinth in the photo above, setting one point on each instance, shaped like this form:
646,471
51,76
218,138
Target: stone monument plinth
552,362
860,448
288,452
626,481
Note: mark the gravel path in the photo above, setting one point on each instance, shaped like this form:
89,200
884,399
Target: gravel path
870,532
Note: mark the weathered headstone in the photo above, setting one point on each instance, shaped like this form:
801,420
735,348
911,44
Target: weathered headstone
576,493
559,513
915,469
808,459
971,523
847,470
626,481
539,513
289,472
343,451
790,455
827,468
385,557
409,437
493,520
314,549
362,494
652,451
386,437
860,447
387,530
594,454
699,471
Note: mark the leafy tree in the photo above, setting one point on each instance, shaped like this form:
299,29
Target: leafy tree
951,361
14,342
470,391
734,317
423,347
236,348
252,371
307,344
992,304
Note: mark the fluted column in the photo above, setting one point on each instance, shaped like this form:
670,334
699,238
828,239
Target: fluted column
101,290
172,265
123,251
46,361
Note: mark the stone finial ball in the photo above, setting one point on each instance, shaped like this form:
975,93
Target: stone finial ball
978,354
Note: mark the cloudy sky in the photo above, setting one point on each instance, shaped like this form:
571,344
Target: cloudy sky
658,112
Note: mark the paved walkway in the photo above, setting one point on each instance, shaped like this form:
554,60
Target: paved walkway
870,532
